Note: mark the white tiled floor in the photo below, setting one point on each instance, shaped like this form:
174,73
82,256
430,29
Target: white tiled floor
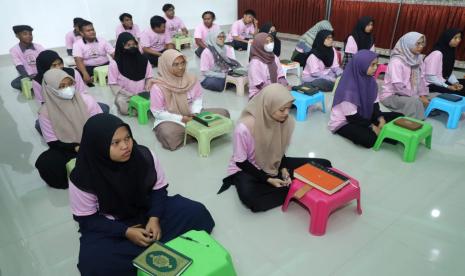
398,233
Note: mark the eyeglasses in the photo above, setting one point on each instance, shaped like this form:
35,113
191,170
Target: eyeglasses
180,64
420,44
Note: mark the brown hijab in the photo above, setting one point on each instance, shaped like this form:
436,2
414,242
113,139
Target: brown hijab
174,88
67,116
271,137
258,52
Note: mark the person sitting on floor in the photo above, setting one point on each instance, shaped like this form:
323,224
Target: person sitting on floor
154,41
259,168
174,24
127,25
360,38
269,28
243,30
202,30
118,194
73,35
304,46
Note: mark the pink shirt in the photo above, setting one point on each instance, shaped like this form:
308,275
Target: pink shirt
174,25
86,204
153,40
93,53
201,31
258,74
243,148
207,61
397,80
352,48
27,58
80,86
241,30
134,87
338,115
433,65
316,69
70,38
46,125
135,31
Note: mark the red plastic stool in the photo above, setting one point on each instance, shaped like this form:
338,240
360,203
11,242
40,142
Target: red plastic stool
382,68
321,204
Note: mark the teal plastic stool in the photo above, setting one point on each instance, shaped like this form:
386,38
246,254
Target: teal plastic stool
302,102
26,88
454,109
209,258
142,105
205,134
100,75
179,40
409,138
70,166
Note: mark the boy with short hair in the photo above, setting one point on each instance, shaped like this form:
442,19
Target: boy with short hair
173,23
155,41
242,30
73,35
127,25
202,30
24,54
90,51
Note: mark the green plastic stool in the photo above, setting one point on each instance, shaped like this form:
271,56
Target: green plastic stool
409,138
100,75
205,134
70,166
209,258
26,88
179,40
142,105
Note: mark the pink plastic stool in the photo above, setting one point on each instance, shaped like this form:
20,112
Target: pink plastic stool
321,205
382,68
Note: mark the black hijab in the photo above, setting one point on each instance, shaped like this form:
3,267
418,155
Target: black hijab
131,65
277,43
44,61
322,52
448,53
122,188
363,39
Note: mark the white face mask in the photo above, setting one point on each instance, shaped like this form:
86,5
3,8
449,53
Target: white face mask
65,93
269,47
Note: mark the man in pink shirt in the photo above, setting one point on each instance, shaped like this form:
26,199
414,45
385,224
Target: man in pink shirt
24,54
173,23
127,25
242,30
73,35
90,52
154,41
202,30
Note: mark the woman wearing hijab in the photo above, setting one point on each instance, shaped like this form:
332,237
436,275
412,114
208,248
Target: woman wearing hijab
61,118
269,28
264,67
361,38
258,167
304,46
118,195
175,98
322,67
439,64
404,88
128,73
216,61
355,114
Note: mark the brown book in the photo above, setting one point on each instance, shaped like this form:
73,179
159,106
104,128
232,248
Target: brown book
322,178
408,124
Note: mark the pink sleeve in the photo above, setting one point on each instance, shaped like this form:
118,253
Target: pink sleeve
113,72
47,129
157,101
241,143
347,108
92,105
149,72
256,74
280,67
15,56
351,46
313,63
37,91
82,203
161,178
144,40
108,48
168,39
136,30
433,64
395,69
77,49
198,32
207,61
81,87
69,40
230,52
423,89
235,29
181,23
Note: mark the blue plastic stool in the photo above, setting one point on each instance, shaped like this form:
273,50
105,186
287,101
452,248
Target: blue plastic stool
454,109
302,102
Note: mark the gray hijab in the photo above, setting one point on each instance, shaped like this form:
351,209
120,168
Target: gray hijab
222,62
308,37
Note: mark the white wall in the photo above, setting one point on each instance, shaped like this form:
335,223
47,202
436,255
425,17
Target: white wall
52,19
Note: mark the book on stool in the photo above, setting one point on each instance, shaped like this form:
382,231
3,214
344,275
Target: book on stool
208,119
319,177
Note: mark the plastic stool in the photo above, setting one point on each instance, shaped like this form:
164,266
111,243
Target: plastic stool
70,166
26,87
209,258
239,82
100,75
205,134
302,102
409,138
142,105
321,204
291,66
179,40
454,109
382,68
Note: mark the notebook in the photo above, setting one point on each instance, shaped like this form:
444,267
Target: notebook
408,124
306,89
160,260
320,177
450,97
208,119
286,61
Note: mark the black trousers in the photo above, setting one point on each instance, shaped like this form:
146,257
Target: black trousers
153,59
199,51
440,89
365,136
239,45
260,196
51,165
300,58
16,83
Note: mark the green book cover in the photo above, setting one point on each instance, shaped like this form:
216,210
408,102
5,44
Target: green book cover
286,61
160,260
207,118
